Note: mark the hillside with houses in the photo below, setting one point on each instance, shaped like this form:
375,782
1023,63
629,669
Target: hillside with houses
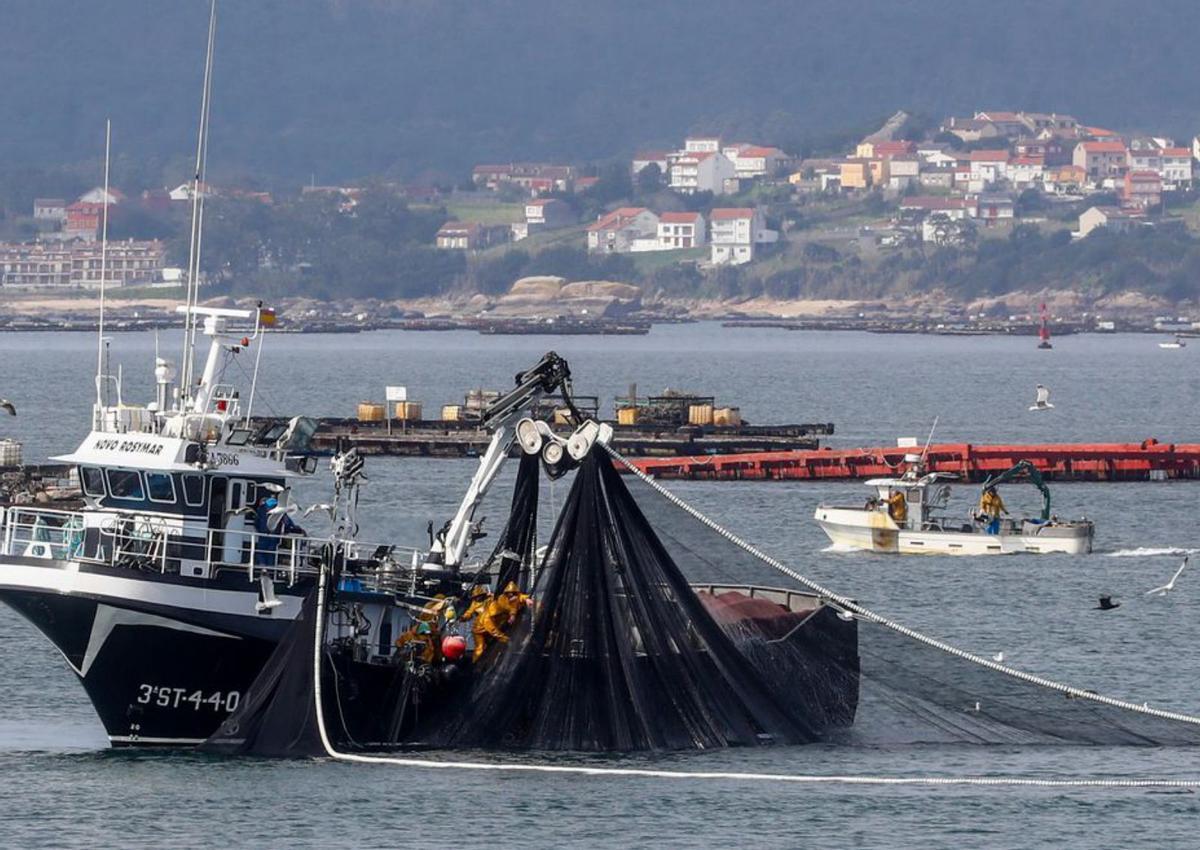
987,204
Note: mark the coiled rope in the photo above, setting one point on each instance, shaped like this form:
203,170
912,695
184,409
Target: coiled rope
739,776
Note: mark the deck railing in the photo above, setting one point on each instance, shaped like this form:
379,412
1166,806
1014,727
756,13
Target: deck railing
149,543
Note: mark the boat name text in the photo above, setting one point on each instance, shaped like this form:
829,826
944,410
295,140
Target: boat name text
138,446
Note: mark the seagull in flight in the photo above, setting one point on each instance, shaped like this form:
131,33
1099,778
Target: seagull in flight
8,406
321,508
1169,586
1043,399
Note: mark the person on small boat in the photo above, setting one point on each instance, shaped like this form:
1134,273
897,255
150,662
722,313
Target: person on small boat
488,617
898,507
992,506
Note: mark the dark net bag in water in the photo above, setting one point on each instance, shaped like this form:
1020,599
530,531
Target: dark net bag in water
278,715
618,653
515,550
914,688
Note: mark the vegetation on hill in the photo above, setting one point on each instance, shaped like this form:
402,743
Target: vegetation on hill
417,88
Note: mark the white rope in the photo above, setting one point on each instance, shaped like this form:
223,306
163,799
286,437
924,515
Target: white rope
866,614
728,776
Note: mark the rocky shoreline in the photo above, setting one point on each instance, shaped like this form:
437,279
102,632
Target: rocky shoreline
537,304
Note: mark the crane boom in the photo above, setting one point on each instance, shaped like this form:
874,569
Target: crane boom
1024,467
549,375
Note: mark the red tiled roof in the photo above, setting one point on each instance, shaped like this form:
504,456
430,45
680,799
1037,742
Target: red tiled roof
998,116
727,213
1104,147
989,156
1176,152
457,228
679,217
616,218
758,150
882,148
1143,176
1029,160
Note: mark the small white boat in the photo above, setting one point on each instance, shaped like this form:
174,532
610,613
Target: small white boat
909,515
1178,343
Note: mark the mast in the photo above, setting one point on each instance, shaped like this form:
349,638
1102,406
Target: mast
100,371
193,273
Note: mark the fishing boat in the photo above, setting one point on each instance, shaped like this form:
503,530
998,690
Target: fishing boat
910,515
1178,342
186,576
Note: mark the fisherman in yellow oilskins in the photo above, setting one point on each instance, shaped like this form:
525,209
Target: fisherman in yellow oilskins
488,618
898,507
991,506
511,603
427,629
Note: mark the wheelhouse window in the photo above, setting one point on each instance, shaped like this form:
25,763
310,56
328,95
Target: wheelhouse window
160,487
92,480
193,490
125,484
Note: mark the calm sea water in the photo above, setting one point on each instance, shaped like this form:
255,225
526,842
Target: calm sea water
61,787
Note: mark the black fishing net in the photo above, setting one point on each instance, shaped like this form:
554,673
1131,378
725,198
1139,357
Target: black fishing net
618,653
514,552
277,716
913,688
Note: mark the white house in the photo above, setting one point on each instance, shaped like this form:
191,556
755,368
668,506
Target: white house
679,230
903,171
97,196
1025,171
1176,167
50,209
701,171
183,192
954,209
936,156
1111,218
992,208
750,161
987,167
542,214
702,144
617,231
735,232
1145,158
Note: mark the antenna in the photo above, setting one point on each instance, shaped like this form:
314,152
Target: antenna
100,348
193,273
928,440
